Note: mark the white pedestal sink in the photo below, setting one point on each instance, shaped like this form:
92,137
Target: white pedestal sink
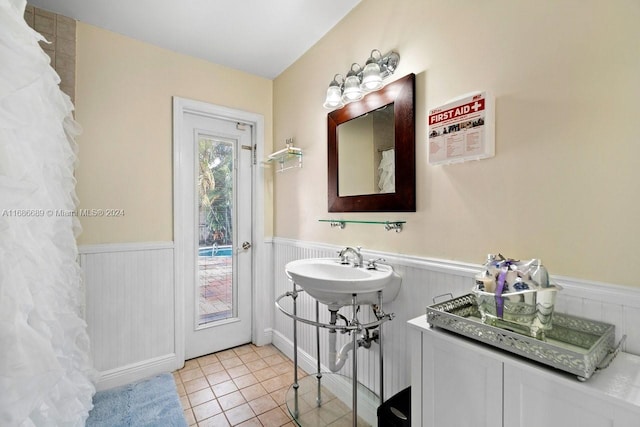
334,284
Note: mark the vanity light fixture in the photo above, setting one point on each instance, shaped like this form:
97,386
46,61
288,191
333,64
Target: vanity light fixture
352,90
360,81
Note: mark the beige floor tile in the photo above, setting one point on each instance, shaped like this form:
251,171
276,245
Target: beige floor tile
191,374
274,417
231,400
180,389
244,386
256,365
304,406
280,396
238,371
189,418
253,392
245,381
263,404
201,396
265,374
347,421
249,357
207,360
239,414
189,364
267,350
206,410
253,422
274,359
212,368
311,419
195,385
227,354
184,402
334,410
218,377
231,362
283,368
224,388
276,383
243,349
219,420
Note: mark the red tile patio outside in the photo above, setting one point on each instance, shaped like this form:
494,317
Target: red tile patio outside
215,276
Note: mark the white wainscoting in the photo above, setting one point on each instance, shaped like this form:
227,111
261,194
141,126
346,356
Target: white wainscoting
130,310
423,280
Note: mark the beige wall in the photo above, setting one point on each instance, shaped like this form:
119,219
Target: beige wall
564,183
124,104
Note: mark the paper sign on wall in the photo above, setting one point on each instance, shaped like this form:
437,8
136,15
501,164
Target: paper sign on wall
462,129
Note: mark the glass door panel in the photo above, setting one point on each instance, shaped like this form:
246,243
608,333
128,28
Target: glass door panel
215,183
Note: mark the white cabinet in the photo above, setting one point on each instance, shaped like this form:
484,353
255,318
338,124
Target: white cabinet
469,386
533,399
459,382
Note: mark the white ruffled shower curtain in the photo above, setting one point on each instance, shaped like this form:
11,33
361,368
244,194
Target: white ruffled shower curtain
45,369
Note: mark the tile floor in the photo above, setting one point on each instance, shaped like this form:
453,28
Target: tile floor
244,386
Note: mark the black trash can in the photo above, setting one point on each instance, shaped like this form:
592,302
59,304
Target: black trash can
396,411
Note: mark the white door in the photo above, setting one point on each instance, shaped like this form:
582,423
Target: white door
215,196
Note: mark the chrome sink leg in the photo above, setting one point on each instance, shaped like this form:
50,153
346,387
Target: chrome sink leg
318,373
296,410
355,362
381,352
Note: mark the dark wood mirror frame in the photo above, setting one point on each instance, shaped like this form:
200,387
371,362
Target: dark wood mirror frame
401,93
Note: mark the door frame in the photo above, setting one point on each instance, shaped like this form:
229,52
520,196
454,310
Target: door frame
182,106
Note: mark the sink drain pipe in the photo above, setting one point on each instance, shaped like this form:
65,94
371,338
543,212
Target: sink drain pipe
337,358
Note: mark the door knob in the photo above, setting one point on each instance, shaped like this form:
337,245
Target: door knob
246,245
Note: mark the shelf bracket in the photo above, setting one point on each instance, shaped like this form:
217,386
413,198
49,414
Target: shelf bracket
397,226
388,225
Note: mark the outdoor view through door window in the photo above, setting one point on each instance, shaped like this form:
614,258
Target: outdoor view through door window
215,248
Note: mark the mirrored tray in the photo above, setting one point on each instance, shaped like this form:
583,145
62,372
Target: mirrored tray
574,344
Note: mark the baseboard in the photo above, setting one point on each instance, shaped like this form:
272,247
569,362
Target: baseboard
266,337
339,386
136,371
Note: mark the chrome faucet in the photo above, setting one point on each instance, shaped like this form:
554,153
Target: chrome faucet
355,251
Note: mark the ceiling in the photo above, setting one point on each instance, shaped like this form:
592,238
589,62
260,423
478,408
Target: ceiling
261,37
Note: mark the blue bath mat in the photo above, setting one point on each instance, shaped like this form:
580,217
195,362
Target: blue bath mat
150,402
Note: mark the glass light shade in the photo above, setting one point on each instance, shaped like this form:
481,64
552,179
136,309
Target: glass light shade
352,91
334,97
371,78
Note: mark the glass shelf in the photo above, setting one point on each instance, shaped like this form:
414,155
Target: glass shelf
334,407
388,225
287,158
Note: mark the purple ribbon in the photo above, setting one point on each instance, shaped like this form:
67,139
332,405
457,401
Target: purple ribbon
499,288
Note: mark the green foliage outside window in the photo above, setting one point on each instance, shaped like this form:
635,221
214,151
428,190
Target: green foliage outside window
215,190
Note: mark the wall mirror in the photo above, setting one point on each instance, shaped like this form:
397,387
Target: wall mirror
371,148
